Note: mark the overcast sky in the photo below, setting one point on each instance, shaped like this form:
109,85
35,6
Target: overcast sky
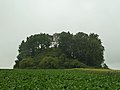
22,18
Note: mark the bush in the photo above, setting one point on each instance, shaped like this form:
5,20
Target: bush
26,63
71,63
49,62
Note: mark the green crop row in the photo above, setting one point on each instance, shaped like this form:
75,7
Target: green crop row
59,79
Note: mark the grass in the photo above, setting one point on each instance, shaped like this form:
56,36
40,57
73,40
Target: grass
59,79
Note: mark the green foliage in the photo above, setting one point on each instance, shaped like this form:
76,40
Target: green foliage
69,79
34,45
61,50
70,63
65,43
26,63
49,62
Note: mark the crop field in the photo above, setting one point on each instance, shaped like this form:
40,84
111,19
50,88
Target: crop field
59,79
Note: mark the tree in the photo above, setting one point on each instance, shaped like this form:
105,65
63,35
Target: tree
65,43
80,46
96,51
34,45
88,49
61,50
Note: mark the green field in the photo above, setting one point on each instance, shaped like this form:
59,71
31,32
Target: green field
59,79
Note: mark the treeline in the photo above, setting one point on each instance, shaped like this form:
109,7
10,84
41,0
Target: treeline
61,50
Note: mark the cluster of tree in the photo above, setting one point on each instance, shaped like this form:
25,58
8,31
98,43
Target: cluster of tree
61,50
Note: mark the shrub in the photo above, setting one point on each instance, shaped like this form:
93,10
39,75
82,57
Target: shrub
49,62
26,63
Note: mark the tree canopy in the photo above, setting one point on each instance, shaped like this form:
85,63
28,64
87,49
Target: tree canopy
61,50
